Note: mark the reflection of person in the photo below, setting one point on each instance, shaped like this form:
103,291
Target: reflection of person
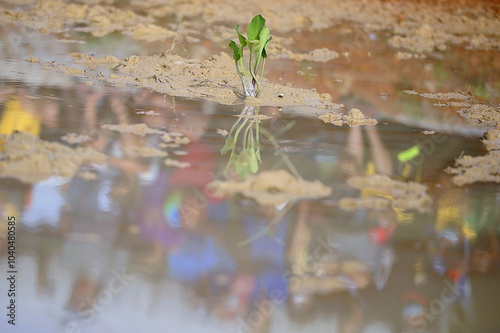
269,287
485,253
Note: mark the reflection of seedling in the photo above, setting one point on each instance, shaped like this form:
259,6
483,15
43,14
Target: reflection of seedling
247,161
257,42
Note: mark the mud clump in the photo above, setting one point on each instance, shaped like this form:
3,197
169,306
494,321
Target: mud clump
28,158
353,118
387,192
492,139
481,115
277,51
271,188
469,169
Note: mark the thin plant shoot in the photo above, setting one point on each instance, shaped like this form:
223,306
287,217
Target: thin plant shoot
257,41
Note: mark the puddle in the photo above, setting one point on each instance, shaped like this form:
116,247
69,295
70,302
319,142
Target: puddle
149,194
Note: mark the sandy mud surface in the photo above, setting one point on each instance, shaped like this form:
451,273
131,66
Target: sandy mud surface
214,79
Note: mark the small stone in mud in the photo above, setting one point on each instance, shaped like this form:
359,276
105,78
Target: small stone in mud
428,132
33,60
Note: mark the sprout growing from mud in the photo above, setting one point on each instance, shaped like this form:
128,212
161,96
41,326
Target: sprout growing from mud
257,41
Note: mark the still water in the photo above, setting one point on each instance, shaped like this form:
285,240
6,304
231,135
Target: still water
143,246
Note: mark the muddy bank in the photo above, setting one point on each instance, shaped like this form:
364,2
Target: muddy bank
214,79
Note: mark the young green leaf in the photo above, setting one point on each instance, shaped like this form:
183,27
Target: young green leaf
241,38
264,50
253,164
237,52
263,38
230,144
231,162
254,27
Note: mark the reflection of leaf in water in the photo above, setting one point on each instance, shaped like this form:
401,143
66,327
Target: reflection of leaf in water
230,142
247,160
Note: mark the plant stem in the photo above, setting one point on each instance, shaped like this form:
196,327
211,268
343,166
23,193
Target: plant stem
253,75
241,78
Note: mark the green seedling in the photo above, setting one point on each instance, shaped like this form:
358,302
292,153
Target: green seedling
257,41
